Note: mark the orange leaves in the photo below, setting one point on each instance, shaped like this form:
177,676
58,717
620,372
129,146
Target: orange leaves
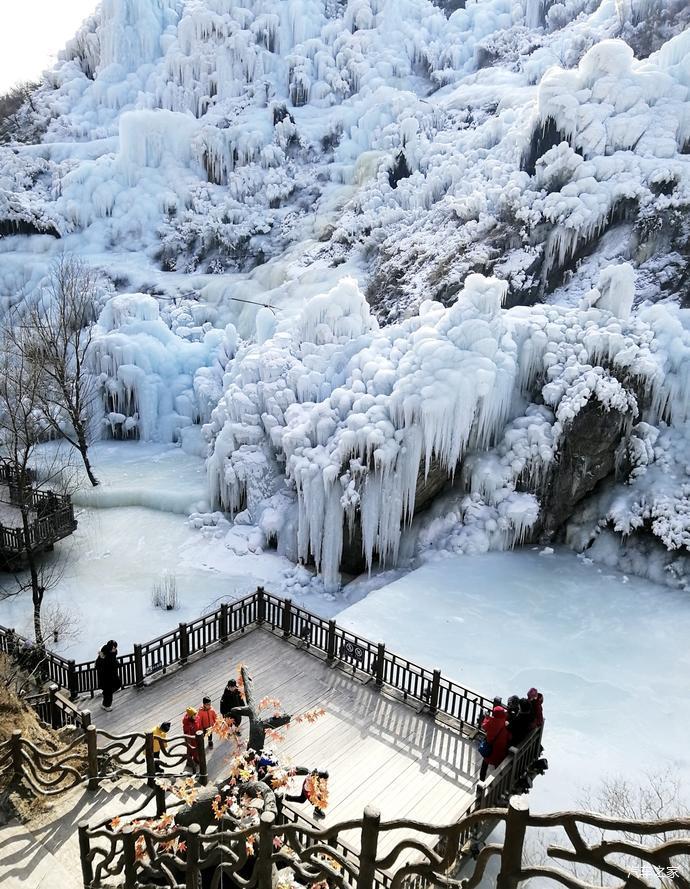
251,843
265,703
115,823
184,789
310,716
274,735
317,791
219,808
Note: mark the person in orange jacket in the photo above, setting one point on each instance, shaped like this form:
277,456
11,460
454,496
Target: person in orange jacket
207,719
190,726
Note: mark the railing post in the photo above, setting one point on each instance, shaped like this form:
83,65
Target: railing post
72,684
17,755
161,806
513,751
264,865
260,605
85,718
201,755
192,856
184,643
369,845
434,692
138,666
330,641
55,720
129,842
287,617
150,760
92,756
511,856
380,663
223,634
84,854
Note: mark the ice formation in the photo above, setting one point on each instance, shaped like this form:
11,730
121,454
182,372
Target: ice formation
289,202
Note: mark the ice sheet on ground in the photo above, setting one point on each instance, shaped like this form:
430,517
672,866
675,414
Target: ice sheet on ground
609,653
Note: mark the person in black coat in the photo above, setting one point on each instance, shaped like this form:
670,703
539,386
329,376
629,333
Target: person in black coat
108,671
232,697
521,722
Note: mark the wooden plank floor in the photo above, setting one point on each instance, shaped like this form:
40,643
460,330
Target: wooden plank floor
378,750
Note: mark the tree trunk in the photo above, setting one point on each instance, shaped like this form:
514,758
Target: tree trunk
84,451
37,598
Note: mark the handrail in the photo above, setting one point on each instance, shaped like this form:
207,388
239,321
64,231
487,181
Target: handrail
174,648
421,854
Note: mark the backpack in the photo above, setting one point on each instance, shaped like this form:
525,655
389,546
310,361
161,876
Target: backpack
485,748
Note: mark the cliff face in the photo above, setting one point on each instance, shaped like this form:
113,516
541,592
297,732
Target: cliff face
393,257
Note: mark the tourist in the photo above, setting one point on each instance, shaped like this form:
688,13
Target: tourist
495,745
190,726
536,699
306,792
108,672
232,697
520,723
207,719
160,742
513,706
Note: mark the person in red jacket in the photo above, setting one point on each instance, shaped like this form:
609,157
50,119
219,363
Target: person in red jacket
495,727
190,726
207,719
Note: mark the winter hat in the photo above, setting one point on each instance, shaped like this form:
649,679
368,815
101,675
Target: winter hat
191,711
165,726
532,693
206,700
232,683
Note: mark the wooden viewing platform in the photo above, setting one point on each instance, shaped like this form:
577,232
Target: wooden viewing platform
50,518
395,734
376,748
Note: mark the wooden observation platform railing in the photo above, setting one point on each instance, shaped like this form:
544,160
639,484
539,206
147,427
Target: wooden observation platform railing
53,521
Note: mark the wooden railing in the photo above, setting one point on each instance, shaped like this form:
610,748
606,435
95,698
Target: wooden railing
54,514
94,756
635,852
57,711
319,636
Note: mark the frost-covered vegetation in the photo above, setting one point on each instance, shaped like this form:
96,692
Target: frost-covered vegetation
371,257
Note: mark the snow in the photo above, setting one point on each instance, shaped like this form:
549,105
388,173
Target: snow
133,529
607,651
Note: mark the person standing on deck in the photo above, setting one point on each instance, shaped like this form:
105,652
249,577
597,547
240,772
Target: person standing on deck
108,672
520,723
495,727
160,742
207,719
232,697
190,726
536,699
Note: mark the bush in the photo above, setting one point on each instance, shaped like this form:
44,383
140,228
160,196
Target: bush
164,593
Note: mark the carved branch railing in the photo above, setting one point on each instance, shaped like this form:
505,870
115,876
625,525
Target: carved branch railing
319,636
94,756
633,854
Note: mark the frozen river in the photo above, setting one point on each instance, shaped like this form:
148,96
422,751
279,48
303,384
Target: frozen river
609,652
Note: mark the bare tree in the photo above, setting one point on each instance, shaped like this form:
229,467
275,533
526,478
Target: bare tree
23,426
55,333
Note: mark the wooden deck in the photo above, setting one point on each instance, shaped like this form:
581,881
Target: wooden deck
377,749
